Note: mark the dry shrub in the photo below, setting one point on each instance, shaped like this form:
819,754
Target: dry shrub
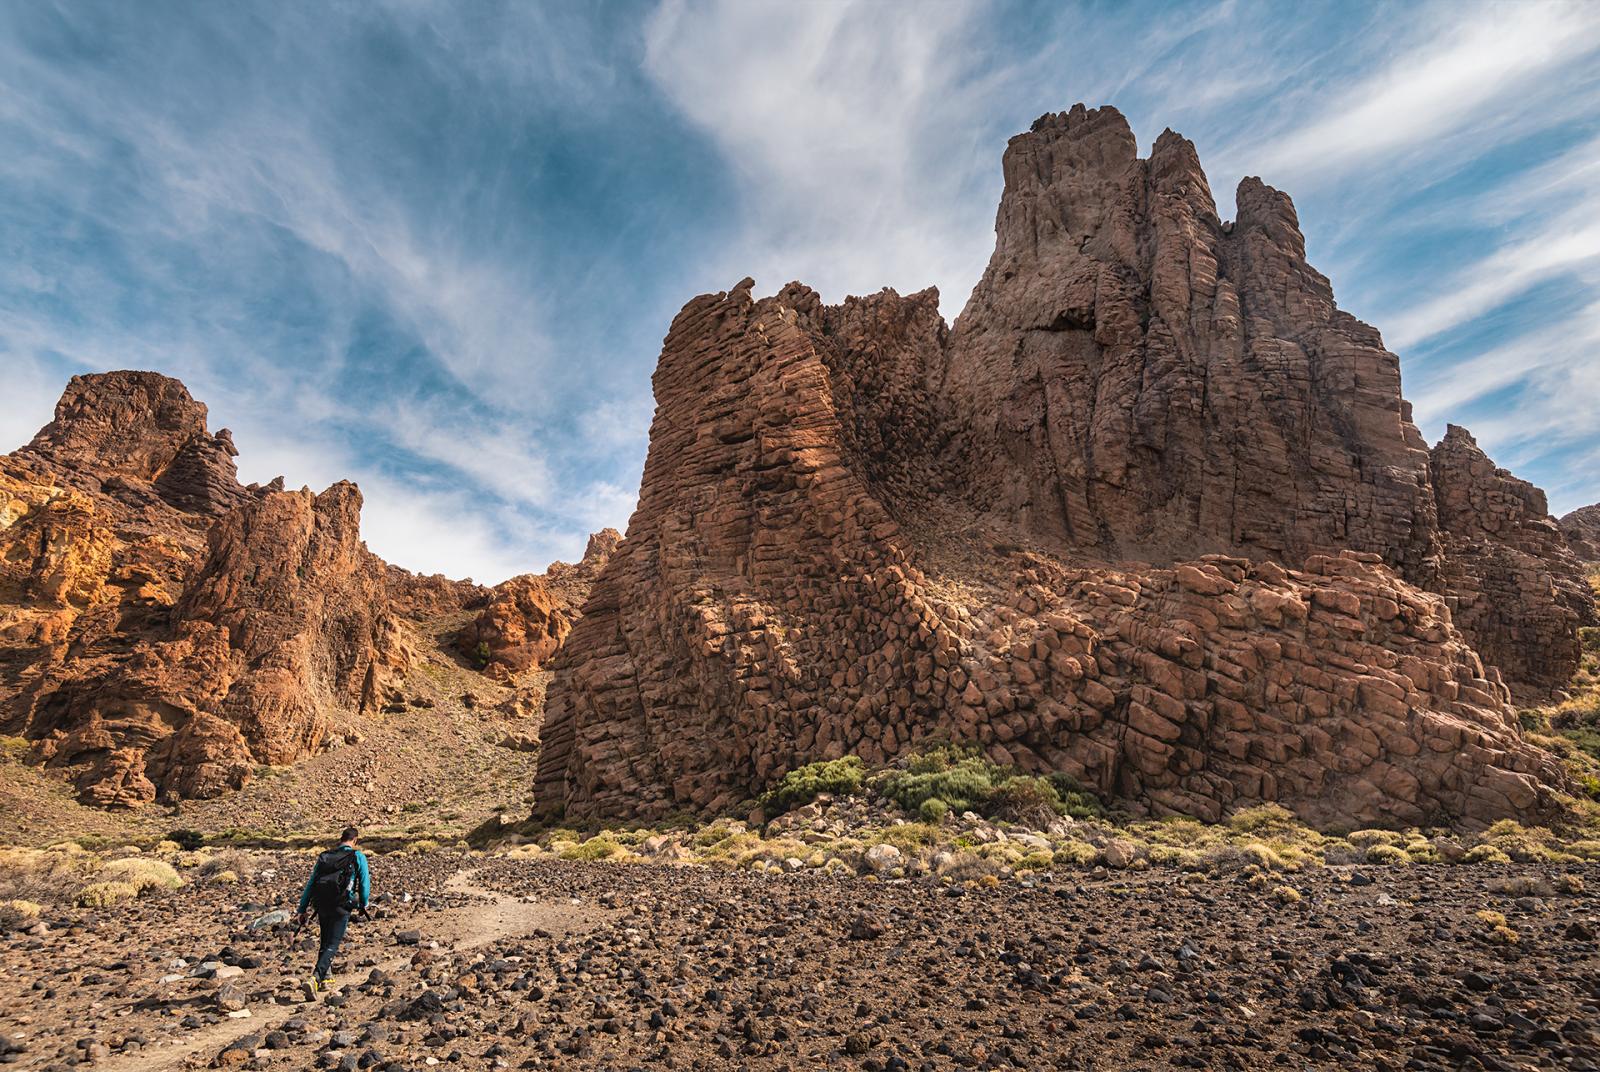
106,894
141,873
214,865
16,914
43,876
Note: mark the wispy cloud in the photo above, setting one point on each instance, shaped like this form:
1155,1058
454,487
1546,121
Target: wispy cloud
850,130
433,248
1473,59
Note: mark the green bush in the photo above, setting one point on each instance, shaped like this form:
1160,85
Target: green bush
962,780
1076,801
840,777
933,810
599,847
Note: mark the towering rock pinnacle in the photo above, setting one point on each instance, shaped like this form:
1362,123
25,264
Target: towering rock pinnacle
1143,380
858,531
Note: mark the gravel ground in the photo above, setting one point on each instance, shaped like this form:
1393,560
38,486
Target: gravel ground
557,964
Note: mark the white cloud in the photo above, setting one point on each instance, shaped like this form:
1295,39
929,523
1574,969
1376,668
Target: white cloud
1564,243
849,126
1476,60
448,532
500,455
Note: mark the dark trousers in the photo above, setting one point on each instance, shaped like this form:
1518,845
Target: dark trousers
334,921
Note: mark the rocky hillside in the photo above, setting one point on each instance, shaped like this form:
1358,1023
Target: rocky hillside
1152,513
165,631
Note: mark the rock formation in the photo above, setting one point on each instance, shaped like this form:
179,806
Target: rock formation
163,630
1582,529
1515,588
1140,379
526,619
1153,512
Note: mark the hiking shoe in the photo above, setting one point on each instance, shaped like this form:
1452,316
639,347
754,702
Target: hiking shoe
309,989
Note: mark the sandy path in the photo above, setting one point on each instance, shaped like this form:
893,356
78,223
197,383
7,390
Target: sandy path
457,929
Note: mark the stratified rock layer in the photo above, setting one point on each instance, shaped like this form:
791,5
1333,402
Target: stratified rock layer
1134,377
858,531
525,619
163,630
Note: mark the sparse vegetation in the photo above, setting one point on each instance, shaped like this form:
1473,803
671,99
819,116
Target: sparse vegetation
839,777
142,874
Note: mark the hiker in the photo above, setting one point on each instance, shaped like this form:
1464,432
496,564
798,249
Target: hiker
339,885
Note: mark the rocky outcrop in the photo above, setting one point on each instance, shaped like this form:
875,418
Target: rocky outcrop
423,596
526,619
163,630
1135,377
140,431
1515,588
1152,513
1582,529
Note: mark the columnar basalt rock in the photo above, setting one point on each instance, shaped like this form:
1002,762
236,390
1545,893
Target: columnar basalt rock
858,531
163,630
525,620
1517,590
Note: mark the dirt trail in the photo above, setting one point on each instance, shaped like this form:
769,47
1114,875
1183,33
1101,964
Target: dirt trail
453,928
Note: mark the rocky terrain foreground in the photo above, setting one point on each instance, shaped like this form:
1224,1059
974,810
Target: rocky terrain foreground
495,963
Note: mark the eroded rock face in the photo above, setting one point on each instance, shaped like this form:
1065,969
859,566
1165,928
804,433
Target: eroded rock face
1135,377
858,531
1582,529
526,619
144,428
163,630
1517,591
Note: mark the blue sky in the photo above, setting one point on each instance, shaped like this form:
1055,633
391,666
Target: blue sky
434,247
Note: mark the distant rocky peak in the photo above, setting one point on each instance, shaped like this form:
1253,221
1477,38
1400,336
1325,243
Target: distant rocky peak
600,546
126,423
145,427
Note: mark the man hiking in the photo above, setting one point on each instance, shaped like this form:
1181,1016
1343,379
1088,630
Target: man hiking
339,885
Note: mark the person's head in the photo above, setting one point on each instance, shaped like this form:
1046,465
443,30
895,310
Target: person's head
349,836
